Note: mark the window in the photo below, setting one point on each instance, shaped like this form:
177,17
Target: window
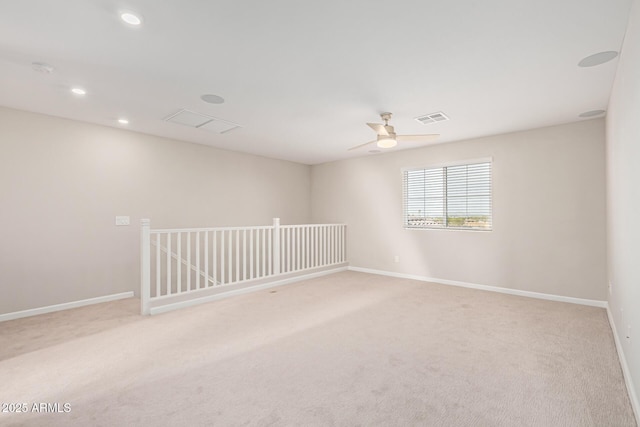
456,196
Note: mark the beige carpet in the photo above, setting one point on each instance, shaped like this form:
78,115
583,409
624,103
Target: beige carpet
350,349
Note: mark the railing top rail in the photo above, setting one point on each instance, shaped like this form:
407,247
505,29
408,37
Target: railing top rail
309,225
185,230
257,227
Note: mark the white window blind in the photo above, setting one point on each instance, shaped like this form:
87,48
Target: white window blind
448,197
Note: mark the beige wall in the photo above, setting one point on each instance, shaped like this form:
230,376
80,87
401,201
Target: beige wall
63,182
623,201
548,214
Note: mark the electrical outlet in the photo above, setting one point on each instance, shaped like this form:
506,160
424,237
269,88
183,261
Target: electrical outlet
396,258
610,288
123,220
628,335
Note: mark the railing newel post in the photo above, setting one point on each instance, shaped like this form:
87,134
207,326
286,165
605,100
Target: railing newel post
145,266
276,246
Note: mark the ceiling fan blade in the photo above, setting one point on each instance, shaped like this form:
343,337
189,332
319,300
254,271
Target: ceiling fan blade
379,128
418,138
362,145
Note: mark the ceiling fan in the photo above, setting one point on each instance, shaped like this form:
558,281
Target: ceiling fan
387,137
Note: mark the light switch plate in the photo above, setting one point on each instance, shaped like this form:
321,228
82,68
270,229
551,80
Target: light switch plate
123,220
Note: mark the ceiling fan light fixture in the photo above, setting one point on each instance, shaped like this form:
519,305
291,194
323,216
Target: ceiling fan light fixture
387,137
387,142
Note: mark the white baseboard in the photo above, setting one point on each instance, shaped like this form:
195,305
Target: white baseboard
631,391
64,306
196,301
538,295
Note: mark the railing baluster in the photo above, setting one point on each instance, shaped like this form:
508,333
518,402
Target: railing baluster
283,249
197,260
244,255
158,265
206,260
179,262
309,247
189,261
329,241
327,261
168,263
214,258
341,237
337,237
237,256
250,254
272,259
230,257
314,246
288,249
222,250
327,245
293,249
291,244
320,245
263,253
330,252
333,244
337,232
339,243
324,245
303,254
300,247
344,243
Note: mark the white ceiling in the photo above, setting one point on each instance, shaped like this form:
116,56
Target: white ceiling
303,77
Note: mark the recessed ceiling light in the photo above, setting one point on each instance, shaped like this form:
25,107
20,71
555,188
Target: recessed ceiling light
79,91
123,121
598,58
131,18
212,99
41,67
592,113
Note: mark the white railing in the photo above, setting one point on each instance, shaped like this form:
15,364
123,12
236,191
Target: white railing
182,261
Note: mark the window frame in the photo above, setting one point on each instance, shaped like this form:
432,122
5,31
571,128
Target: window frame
443,166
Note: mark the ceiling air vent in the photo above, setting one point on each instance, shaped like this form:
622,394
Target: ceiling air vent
432,118
201,121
